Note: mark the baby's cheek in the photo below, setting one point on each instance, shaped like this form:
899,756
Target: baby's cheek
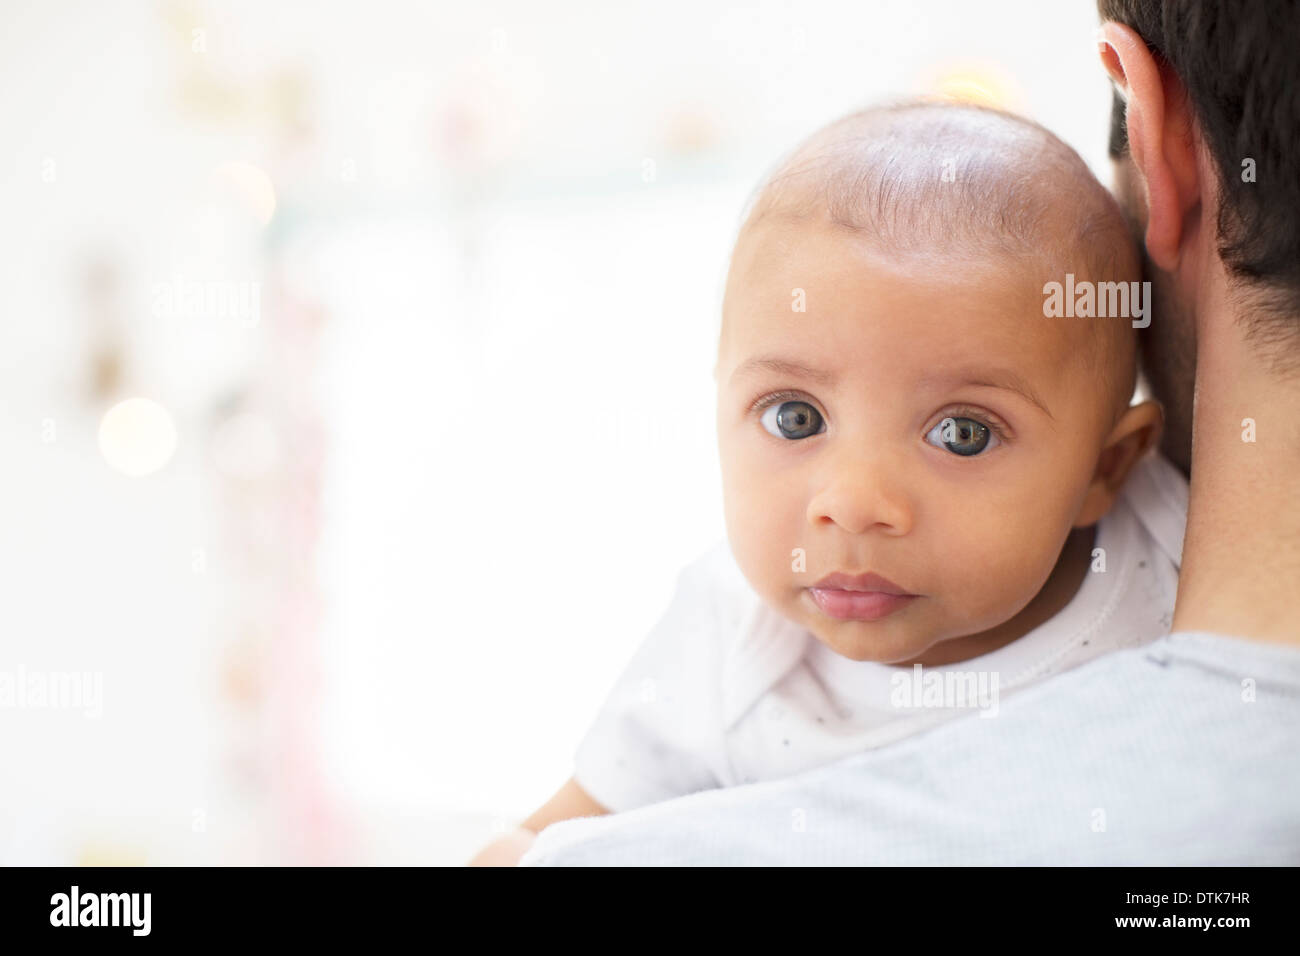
990,579
759,540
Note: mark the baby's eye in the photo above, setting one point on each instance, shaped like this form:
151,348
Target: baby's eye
792,420
961,436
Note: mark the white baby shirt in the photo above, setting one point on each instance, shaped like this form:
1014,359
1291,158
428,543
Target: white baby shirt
726,691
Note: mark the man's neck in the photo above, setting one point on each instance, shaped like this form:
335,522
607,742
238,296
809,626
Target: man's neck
1241,556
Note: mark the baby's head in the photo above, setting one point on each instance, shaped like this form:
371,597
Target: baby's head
892,398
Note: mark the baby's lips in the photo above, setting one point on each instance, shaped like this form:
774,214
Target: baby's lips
866,581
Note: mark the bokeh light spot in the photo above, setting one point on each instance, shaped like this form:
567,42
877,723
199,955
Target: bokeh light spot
137,437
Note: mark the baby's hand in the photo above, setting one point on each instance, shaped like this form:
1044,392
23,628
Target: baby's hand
568,802
506,850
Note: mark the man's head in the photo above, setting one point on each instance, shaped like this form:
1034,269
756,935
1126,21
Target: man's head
892,399
1206,134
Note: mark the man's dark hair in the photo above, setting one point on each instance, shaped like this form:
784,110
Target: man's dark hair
1240,64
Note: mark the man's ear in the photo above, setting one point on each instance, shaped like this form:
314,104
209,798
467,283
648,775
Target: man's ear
1136,432
1161,135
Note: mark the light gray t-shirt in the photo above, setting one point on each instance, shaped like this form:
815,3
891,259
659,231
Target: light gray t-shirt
1183,751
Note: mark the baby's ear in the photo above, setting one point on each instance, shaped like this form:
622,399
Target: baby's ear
1136,433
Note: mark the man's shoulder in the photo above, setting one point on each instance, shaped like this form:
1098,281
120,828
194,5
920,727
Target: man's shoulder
1166,666
1177,752
1232,656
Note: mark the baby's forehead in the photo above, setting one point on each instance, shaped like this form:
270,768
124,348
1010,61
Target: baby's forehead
794,277
812,293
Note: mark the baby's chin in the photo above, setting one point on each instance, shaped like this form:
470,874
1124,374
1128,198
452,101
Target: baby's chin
862,641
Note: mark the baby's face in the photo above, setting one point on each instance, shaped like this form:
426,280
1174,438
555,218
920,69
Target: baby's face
920,420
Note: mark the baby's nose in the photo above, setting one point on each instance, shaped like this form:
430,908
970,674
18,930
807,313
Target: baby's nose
862,494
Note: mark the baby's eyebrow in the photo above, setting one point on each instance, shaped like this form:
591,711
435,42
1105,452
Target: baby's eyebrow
1003,378
784,367
983,377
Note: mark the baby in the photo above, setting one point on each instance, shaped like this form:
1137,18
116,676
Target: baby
936,487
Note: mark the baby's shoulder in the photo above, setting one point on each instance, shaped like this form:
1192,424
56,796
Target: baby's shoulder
1156,494
713,579
716,567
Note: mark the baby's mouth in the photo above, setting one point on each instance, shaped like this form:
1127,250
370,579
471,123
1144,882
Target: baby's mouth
859,597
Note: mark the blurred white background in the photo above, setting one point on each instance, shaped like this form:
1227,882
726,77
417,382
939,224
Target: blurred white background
422,299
